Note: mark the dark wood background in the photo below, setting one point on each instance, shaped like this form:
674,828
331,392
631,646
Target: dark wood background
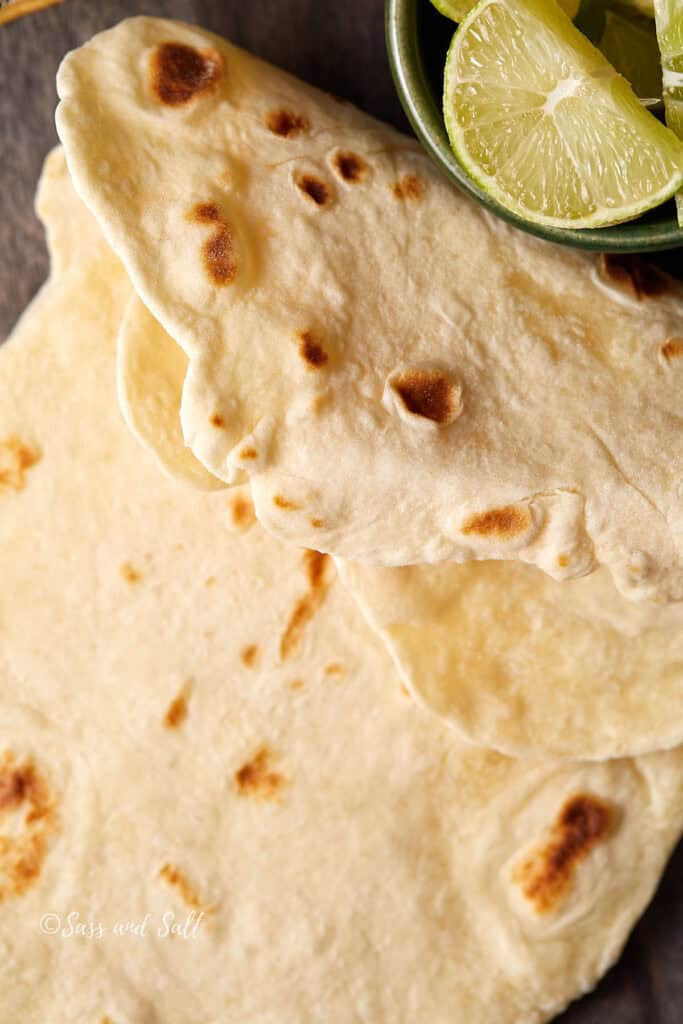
338,45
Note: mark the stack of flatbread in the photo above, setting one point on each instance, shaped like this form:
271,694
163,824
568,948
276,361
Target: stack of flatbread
341,607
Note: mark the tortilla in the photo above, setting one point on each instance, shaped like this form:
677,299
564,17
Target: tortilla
179,740
401,377
151,370
520,663
514,660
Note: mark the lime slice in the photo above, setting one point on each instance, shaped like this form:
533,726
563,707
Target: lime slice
456,10
630,45
542,122
669,18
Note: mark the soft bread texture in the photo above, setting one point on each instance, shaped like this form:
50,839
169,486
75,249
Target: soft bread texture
151,371
198,721
402,378
515,660
523,664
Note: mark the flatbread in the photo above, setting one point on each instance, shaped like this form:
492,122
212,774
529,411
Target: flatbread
520,663
401,377
513,659
197,722
151,371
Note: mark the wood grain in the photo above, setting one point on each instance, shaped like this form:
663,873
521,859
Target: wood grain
340,47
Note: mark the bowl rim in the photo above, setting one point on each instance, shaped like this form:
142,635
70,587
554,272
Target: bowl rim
411,82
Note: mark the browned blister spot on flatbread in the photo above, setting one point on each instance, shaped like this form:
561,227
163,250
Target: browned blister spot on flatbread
181,73
14,784
177,710
316,567
174,877
296,684
242,512
286,123
206,213
257,778
563,561
317,524
501,523
314,188
250,655
672,349
220,258
281,502
24,846
350,167
633,274
546,876
130,573
16,458
249,453
430,394
216,420
319,403
334,668
311,350
408,187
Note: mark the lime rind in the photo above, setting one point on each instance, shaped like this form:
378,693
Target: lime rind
514,128
457,10
669,24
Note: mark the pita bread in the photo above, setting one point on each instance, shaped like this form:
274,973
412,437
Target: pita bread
523,664
401,378
236,745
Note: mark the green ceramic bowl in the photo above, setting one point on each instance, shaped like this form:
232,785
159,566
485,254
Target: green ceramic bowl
417,41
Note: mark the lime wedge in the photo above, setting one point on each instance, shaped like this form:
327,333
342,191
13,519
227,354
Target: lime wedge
630,45
456,10
669,18
542,122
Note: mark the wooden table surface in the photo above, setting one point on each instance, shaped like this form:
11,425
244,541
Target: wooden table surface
340,47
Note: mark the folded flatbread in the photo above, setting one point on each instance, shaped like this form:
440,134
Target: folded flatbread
151,371
516,661
199,732
401,377
521,663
